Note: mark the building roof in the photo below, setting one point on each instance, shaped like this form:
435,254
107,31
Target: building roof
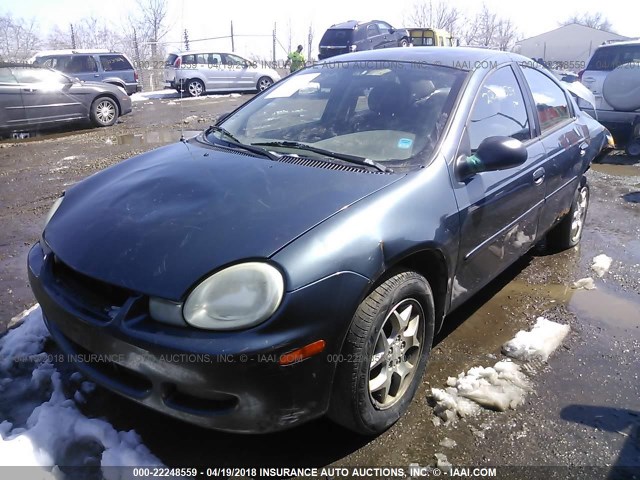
573,25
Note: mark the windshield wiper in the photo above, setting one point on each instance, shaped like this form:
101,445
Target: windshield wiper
367,162
238,144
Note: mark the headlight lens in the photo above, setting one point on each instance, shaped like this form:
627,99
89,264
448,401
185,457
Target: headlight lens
240,296
52,211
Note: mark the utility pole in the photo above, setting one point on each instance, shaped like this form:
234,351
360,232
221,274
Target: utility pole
186,40
233,45
73,37
274,44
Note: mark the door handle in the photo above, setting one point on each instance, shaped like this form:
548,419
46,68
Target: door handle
28,90
538,176
96,75
583,148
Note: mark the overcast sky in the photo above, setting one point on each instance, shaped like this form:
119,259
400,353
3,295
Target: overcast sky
211,18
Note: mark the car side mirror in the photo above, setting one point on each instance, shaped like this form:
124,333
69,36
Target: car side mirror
392,31
493,153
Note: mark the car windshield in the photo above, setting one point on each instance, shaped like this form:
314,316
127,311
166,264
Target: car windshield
389,112
337,36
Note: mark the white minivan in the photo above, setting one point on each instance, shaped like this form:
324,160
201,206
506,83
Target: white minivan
196,73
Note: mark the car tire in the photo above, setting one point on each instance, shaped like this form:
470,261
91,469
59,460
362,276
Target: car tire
263,83
568,232
633,148
376,380
104,112
404,42
195,88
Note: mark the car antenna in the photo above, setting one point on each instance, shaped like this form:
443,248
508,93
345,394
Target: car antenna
181,82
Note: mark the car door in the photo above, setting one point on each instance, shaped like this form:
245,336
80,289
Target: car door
565,140
498,209
46,96
387,39
374,39
241,75
12,113
209,67
83,67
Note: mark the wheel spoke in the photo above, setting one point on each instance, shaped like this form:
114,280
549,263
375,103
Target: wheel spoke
380,385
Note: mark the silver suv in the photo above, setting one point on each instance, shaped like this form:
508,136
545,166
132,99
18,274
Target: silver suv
93,66
206,71
613,75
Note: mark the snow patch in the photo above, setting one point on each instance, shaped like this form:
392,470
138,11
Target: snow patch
448,443
601,264
500,387
538,343
442,462
40,425
584,283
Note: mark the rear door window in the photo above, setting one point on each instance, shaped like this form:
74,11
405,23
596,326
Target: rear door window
372,30
336,37
170,60
551,102
114,63
610,58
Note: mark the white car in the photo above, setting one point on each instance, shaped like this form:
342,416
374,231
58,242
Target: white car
613,76
198,72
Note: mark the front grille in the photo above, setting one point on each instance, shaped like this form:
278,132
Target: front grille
98,299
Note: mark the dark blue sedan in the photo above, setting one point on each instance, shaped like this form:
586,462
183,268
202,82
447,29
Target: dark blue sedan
297,258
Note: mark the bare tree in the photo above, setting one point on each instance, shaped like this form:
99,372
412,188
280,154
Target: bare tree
153,21
489,30
593,20
19,38
310,41
506,35
440,14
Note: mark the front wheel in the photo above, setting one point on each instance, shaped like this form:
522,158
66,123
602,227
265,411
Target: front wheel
568,232
384,355
404,42
264,83
104,112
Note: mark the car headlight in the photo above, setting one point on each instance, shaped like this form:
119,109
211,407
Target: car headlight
240,296
53,210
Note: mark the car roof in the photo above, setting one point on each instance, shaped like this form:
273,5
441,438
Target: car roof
200,52
74,51
462,58
616,44
20,64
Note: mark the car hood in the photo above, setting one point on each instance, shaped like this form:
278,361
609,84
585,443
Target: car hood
160,222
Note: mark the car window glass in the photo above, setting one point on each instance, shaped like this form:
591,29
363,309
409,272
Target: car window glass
201,58
214,59
6,76
111,63
383,27
76,64
234,60
36,75
551,102
610,58
188,59
372,30
499,110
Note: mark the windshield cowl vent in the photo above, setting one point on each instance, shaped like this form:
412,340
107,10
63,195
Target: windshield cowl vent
309,162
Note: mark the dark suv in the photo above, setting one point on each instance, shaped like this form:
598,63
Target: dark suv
353,35
93,66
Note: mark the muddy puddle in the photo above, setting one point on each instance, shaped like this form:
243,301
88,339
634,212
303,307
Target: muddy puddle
618,170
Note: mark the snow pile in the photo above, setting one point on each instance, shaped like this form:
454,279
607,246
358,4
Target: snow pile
500,387
537,344
601,264
584,283
40,426
166,93
503,386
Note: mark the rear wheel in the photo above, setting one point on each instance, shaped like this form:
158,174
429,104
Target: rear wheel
404,42
568,232
264,83
104,112
195,88
384,355
633,148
